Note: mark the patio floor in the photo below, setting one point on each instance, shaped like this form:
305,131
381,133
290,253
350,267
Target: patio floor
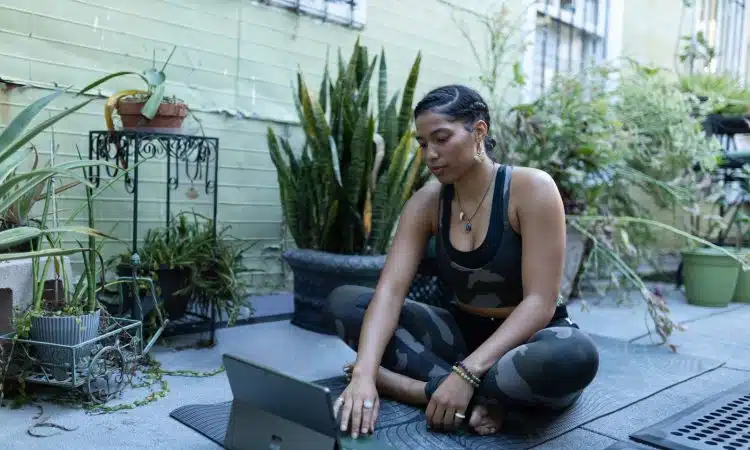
715,334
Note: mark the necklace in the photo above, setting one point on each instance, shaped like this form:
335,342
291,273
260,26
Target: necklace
462,215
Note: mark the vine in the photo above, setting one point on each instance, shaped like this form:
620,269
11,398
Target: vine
151,374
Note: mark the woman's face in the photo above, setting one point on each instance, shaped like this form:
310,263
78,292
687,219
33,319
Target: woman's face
447,146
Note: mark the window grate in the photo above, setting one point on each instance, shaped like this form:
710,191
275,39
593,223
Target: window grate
570,36
351,13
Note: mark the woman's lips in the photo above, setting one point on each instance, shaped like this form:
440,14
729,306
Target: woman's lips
437,170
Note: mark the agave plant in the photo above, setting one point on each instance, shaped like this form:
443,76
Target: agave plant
16,187
345,191
19,214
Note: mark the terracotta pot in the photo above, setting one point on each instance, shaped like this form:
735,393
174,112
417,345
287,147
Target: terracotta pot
168,116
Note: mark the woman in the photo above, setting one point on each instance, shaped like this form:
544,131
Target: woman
500,247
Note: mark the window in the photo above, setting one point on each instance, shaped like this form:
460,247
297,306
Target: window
714,37
569,36
346,12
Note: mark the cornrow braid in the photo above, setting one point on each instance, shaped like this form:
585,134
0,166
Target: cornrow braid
460,103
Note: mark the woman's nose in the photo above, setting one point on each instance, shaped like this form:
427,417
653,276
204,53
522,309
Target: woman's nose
429,153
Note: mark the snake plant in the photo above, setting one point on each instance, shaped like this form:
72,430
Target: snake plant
345,190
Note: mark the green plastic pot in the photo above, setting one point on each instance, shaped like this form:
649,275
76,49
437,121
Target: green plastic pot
710,277
742,290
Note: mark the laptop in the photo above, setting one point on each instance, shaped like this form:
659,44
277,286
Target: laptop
274,411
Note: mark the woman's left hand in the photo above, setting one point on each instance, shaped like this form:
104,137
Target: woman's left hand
447,408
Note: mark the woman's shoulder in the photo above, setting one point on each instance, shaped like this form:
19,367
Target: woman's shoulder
532,181
428,194
534,194
425,202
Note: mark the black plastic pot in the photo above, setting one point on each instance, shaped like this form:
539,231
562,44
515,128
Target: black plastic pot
171,281
125,270
318,273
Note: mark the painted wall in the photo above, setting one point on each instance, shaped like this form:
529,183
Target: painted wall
234,64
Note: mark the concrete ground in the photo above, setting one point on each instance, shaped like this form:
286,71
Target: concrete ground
715,334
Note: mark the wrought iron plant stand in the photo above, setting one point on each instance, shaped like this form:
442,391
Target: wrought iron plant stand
191,159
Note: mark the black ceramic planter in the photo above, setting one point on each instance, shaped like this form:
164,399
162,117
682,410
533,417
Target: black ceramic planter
318,273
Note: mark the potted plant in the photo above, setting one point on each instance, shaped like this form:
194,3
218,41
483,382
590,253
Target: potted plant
145,109
726,225
709,273
723,94
70,314
217,279
610,148
166,256
188,264
343,193
742,289
17,188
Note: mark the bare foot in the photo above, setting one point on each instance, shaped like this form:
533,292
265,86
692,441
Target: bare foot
485,420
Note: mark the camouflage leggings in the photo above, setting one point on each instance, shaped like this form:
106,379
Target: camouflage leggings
550,370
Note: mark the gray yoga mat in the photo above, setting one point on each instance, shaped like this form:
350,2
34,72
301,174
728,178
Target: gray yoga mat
627,374
627,446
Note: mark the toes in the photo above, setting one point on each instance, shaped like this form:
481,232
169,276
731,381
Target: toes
485,430
478,416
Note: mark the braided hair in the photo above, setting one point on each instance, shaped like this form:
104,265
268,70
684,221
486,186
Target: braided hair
459,103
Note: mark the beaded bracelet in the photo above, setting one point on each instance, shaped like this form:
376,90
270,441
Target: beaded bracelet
463,374
468,372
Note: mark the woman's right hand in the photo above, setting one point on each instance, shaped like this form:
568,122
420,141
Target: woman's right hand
359,406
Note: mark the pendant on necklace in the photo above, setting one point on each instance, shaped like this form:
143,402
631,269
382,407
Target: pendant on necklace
467,227
461,216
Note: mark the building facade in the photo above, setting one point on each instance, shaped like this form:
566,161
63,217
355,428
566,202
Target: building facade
235,63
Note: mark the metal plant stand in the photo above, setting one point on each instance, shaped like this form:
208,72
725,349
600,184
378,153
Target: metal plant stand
731,170
190,160
101,366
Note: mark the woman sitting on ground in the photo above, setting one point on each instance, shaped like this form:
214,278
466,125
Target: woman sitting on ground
500,247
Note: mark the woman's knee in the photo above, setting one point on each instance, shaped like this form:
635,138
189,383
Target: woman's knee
343,300
566,356
552,369
346,306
